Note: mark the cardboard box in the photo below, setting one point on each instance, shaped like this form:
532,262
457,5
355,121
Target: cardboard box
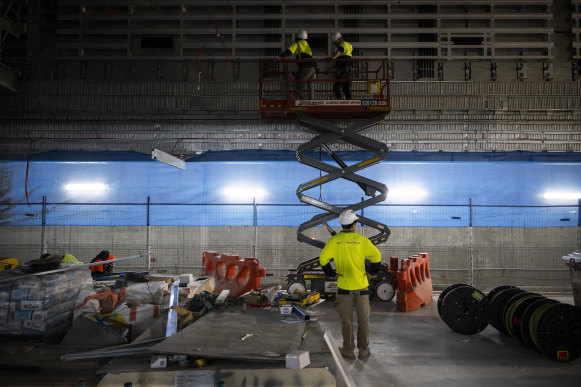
297,359
255,298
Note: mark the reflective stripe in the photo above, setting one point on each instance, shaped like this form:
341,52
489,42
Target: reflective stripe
347,49
305,49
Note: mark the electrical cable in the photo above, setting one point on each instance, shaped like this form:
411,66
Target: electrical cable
27,169
212,16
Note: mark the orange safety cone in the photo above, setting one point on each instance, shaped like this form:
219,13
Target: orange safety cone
414,283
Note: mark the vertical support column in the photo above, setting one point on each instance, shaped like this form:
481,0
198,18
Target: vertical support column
255,224
148,236
471,249
43,248
579,224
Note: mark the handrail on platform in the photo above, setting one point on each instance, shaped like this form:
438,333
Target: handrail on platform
369,88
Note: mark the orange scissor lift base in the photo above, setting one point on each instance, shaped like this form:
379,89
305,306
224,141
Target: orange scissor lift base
369,89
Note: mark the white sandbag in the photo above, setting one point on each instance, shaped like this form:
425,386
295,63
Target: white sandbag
202,284
146,293
90,307
140,317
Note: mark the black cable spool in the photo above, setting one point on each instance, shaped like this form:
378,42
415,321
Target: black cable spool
508,311
517,314
444,293
497,308
497,290
558,332
526,320
464,309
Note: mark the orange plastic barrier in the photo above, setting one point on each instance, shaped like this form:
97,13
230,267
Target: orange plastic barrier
414,283
232,273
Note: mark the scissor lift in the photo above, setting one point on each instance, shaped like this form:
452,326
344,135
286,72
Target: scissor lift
370,93
369,89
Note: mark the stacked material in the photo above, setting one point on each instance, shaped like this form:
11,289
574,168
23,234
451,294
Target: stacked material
38,306
542,324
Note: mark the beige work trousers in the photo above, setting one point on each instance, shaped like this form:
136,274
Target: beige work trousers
344,304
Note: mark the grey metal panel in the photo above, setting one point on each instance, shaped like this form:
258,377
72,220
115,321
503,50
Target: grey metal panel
544,103
421,102
485,88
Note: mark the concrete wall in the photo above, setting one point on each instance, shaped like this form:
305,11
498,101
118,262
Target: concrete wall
488,257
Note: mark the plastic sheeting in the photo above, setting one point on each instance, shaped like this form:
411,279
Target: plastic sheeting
216,193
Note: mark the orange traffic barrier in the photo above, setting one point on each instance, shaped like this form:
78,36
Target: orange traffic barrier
232,273
414,283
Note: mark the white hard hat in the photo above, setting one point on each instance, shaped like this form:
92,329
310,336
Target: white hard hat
302,34
336,36
347,217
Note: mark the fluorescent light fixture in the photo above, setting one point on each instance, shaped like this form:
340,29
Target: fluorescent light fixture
411,193
168,159
86,187
562,195
244,193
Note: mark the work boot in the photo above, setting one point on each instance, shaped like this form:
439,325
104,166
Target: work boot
364,353
347,353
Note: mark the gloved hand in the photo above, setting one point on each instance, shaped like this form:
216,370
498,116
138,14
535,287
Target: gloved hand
274,60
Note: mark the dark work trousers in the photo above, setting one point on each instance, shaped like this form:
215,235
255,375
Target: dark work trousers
343,84
304,76
344,304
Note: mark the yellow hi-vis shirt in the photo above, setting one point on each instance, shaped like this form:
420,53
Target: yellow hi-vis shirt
349,250
305,49
347,49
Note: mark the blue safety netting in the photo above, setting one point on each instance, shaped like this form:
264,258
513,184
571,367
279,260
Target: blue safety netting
259,188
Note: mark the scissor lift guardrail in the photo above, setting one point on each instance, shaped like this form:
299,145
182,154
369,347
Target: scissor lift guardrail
369,89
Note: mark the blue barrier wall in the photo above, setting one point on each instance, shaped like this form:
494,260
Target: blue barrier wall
448,183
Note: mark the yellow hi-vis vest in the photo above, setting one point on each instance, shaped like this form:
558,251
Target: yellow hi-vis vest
305,49
347,49
349,250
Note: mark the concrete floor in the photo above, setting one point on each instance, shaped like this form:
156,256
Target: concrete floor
418,349
408,349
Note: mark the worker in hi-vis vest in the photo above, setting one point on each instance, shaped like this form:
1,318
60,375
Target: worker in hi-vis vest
342,86
349,249
306,69
103,256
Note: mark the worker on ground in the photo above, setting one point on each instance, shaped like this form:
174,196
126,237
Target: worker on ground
102,257
348,249
306,68
342,86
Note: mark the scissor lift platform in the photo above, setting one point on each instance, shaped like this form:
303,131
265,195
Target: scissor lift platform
369,89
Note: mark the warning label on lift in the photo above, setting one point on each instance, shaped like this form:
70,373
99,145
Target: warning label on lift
330,286
328,102
340,102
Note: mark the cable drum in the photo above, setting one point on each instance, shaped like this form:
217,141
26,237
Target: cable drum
497,290
492,299
516,317
557,332
509,309
464,309
527,317
542,324
444,293
497,305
